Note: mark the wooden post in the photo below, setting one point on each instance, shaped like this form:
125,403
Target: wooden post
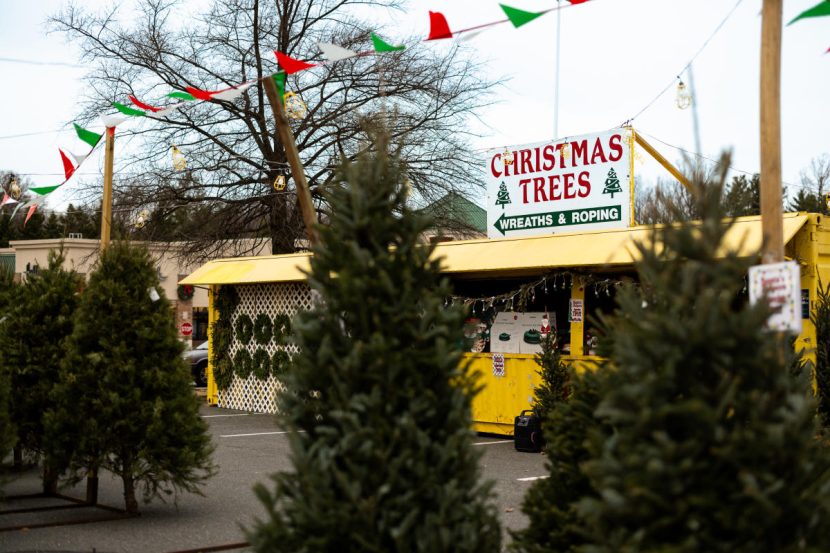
663,161
771,209
106,205
293,156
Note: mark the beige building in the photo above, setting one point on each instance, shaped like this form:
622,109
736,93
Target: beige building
82,254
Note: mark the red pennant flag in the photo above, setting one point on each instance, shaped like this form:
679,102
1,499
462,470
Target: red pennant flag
68,168
290,65
142,105
438,27
31,212
6,198
201,94
577,1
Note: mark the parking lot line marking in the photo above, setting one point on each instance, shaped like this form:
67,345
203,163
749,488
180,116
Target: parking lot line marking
254,434
495,442
214,416
532,478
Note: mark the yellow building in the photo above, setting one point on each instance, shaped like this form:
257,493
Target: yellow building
569,276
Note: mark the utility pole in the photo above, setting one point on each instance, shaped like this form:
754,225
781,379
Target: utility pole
771,208
293,156
106,206
556,76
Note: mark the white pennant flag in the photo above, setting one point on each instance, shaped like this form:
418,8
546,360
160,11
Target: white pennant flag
78,158
111,121
333,52
165,112
232,93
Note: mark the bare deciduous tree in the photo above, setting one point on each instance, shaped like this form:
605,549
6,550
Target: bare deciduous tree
422,95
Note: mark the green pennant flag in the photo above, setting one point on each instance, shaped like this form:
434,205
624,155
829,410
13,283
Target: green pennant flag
43,190
823,8
383,46
279,80
89,137
181,96
126,110
519,17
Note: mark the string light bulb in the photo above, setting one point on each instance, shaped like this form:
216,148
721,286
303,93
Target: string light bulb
565,151
507,157
14,189
295,108
279,183
683,99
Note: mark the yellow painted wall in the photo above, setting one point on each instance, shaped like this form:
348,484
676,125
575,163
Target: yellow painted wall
503,398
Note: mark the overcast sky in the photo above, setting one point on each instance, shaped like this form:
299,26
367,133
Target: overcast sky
616,57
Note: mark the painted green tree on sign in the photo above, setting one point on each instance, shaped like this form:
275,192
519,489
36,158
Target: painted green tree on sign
612,183
504,196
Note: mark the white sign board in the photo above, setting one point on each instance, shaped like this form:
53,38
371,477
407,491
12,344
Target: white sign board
564,185
780,283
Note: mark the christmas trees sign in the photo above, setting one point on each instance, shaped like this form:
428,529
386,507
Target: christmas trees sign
579,183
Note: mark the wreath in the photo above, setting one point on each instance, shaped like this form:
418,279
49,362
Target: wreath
263,329
244,329
242,363
225,303
282,328
184,292
261,364
280,363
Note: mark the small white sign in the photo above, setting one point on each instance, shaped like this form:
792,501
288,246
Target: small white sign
780,283
575,311
498,365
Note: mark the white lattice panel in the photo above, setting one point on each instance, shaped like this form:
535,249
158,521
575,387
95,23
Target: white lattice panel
251,393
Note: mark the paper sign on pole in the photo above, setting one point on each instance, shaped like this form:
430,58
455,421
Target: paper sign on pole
563,185
780,283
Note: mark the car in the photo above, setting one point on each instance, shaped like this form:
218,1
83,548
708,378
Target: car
198,360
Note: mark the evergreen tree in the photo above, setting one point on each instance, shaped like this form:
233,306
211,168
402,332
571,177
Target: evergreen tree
125,395
380,406
551,503
35,333
821,318
554,374
8,436
714,445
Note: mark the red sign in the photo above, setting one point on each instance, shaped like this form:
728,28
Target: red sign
187,329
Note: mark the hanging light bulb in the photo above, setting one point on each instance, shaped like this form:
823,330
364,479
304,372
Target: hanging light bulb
565,151
14,189
507,157
683,98
279,183
295,108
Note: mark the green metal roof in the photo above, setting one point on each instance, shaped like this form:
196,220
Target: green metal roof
454,210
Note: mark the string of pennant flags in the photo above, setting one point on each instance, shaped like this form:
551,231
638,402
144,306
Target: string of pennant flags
439,29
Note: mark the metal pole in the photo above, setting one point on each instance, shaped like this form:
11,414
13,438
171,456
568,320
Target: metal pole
556,76
771,209
695,120
106,203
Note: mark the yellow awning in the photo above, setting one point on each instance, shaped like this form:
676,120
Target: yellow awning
252,270
514,256
508,256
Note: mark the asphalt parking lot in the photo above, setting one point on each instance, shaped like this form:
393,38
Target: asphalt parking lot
249,447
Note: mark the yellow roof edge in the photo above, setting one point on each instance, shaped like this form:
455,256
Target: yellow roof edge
289,267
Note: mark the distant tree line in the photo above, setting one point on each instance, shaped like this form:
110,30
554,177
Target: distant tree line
670,201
